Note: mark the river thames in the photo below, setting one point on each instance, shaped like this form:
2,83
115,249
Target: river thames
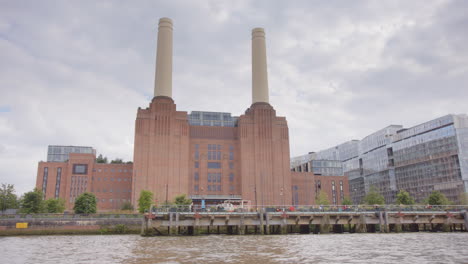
333,248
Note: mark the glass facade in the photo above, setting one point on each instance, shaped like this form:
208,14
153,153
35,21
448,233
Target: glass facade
60,153
427,157
307,163
198,118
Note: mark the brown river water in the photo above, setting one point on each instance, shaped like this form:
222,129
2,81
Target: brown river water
332,248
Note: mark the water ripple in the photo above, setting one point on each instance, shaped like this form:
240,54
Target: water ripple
339,248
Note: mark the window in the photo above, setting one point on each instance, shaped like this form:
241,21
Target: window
195,187
44,180
218,177
80,169
196,176
214,165
209,187
231,188
219,187
197,165
231,155
231,177
231,165
57,182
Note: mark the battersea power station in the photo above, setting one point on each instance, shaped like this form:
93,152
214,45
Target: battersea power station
210,156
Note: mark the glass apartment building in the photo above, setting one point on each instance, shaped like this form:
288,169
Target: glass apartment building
427,157
60,153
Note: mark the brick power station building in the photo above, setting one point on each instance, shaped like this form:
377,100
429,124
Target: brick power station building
210,156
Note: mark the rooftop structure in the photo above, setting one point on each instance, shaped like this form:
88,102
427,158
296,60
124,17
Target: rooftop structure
57,153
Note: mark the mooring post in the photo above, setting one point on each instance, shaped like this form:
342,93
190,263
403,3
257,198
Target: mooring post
177,223
325,224
267,220
284,226
446,227
465,218
361,225
387,225
196,228
240,229
381,222
171,223
261,215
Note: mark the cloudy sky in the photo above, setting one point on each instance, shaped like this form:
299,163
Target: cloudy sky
75,72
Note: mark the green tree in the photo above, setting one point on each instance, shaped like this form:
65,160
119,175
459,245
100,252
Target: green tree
145,201
86,203
182,200
53,205
127,206
101,159
373,197
117,161
32,202
403,197
8,198
437,198
322,199
347,201
463,199
129,162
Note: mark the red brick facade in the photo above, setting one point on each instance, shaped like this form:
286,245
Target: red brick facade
111,183
250,162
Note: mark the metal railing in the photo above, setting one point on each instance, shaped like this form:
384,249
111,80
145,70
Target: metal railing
309,208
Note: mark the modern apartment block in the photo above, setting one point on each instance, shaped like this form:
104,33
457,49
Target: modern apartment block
427,157
211,156
328,178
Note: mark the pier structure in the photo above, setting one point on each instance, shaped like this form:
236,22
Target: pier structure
266,222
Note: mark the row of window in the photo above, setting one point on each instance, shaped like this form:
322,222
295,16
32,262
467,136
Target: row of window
217,165
117,200
212,188
213,177
112,170
113,179
114,190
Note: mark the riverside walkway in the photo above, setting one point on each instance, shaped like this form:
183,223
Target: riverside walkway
279,220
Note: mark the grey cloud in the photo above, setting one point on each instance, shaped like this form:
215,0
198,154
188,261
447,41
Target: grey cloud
75,72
